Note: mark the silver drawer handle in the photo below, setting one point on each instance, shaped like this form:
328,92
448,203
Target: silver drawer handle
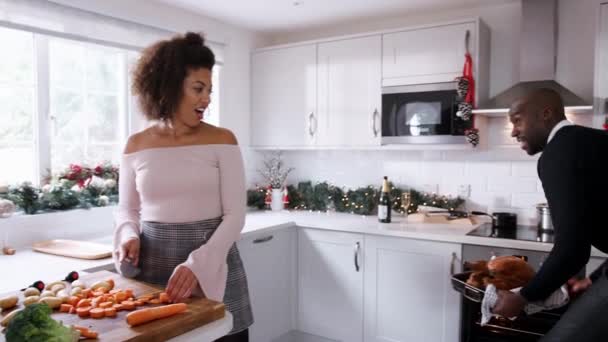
263,239
453,264
357,246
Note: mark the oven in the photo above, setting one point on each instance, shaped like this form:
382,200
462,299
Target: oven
524,328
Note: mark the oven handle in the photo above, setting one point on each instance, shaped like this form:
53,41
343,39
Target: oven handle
374,115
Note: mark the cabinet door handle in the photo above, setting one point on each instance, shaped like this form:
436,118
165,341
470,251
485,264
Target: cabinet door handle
357,247
311,117
263,239
374,130
453,263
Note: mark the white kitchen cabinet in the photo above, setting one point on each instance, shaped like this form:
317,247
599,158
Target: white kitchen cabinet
349,92
284,95
270,264
600,98
426,55
408,296
330,284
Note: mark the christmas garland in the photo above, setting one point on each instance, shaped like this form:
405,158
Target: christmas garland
363,201
76,187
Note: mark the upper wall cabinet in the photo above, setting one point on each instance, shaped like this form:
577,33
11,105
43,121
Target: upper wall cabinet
284,97
349,92
428,55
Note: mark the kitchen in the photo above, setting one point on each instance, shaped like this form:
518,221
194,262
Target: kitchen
340,301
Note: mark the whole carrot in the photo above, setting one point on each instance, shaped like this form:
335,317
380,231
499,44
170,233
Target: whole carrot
150,314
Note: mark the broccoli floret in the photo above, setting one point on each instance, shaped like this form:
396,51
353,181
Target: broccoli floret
34,324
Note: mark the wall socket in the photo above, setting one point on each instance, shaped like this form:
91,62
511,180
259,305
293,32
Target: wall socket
464,191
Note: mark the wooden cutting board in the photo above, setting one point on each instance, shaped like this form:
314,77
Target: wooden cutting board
74,249
200,312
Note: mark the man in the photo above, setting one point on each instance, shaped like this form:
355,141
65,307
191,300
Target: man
574,173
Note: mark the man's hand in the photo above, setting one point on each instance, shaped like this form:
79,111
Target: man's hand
578,286
181,284
509,304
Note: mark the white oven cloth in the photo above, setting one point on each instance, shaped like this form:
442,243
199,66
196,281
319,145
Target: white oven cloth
557,299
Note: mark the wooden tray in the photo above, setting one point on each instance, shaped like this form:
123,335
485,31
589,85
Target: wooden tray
200,311
74,249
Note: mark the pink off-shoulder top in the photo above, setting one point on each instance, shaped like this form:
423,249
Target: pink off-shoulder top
185,184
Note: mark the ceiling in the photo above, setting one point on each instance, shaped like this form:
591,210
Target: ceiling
275,16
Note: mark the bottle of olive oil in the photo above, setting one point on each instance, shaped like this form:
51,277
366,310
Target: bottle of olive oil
384,204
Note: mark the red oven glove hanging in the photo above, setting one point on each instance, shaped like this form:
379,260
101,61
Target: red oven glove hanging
472,134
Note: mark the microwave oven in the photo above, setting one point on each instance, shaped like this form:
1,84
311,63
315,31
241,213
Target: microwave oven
422,114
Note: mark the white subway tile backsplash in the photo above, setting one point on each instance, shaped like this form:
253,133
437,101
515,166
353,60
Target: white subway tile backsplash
524,169
487,169
527,201
501,178
512,184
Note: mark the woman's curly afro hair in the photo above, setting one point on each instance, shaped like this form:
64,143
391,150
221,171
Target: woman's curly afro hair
160,72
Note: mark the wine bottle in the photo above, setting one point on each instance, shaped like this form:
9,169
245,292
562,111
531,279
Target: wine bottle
384,204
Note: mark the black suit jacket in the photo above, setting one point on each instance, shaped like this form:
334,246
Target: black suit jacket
574,172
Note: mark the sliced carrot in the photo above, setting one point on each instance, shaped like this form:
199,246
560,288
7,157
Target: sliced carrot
73,301
86,332
154,301
99,292
86,293
128,305
65,308
120,296
150,314
139,303
83,311
164,297
105,305
114,291
118,307
73,310
110,312
129,293
97,313
83,303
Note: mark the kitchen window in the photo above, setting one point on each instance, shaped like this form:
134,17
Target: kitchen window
63,101
66,101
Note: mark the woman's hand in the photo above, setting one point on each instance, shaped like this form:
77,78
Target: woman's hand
129,250
182,283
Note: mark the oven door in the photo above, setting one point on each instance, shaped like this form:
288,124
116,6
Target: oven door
421,114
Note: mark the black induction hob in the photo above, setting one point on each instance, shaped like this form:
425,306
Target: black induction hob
525,233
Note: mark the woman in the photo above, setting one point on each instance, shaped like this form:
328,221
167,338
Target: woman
182,185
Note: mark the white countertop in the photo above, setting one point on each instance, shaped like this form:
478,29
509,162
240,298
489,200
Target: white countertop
257,222
28,266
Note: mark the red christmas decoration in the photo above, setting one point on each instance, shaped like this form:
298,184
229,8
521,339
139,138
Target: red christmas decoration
268,198
285,196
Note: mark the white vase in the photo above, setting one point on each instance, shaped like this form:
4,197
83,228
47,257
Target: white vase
276,203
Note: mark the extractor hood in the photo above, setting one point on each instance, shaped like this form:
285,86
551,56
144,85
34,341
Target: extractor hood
537,62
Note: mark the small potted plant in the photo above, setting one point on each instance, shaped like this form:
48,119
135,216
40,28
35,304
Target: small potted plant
275,173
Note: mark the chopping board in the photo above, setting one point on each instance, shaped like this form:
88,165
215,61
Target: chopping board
74,249
200,312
